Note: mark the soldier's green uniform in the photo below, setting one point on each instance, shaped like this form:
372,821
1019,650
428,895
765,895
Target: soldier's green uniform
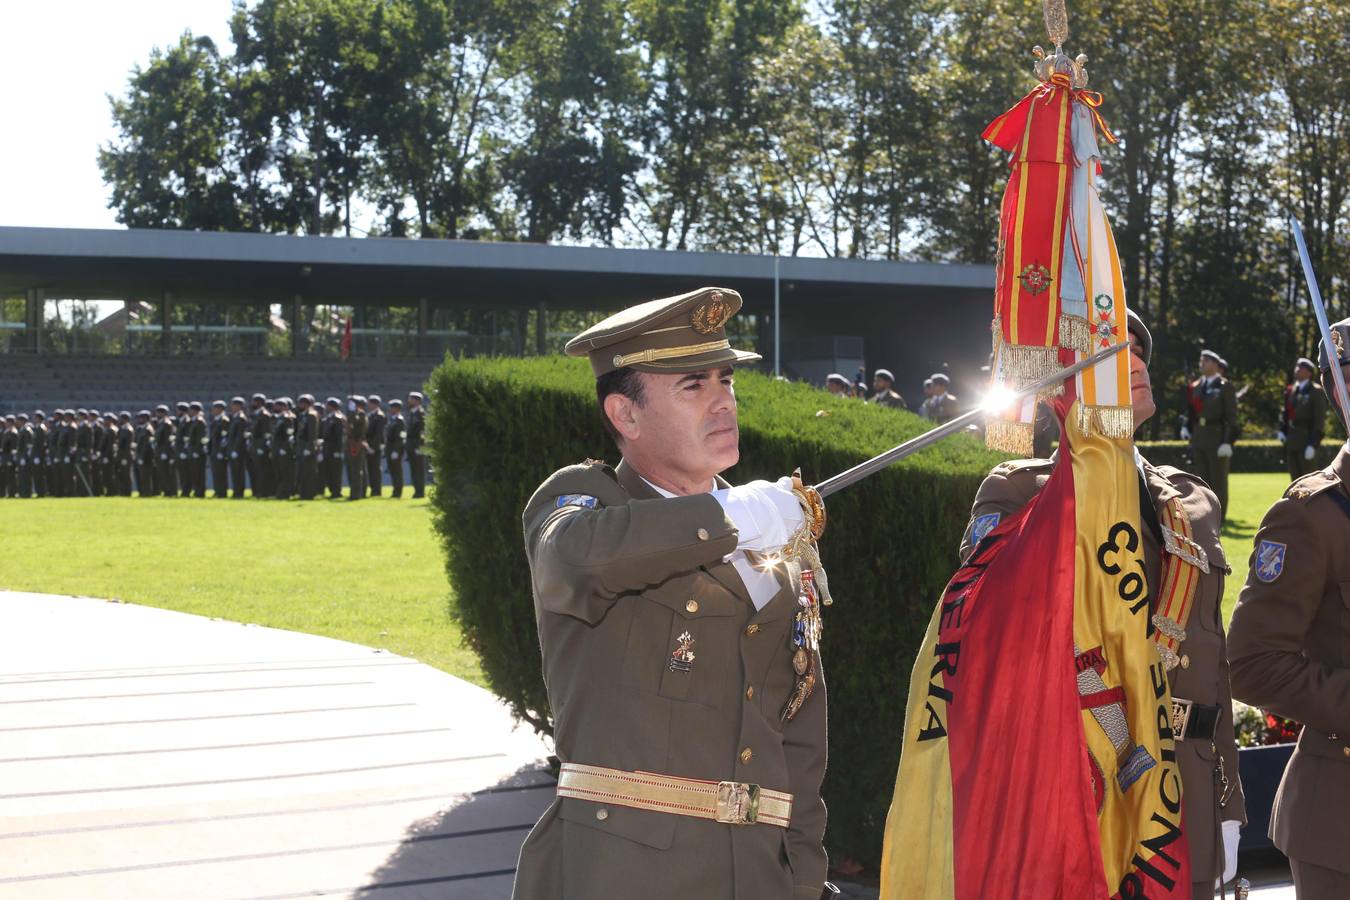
416,444
1212,421
182,427
306,448
66,454
106,449
145,454
376,423
663,666
283,449
236,446
1302,420
1289,648
356,448
395,437
84,455
198,448
166,452
23,451
264,477
219,448
38,456
334,446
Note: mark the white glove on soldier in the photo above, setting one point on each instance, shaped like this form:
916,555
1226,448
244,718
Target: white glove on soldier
1282,436
1230,849
1309,453
766,513
1224,451
1185,433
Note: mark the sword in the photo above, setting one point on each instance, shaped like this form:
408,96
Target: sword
928,438
1320,308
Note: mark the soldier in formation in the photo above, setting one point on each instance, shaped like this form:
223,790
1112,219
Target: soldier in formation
1211,423
1302,420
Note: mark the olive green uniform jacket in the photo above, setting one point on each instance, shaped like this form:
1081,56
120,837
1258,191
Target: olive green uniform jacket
616,584
1289,648
1303,422
889,398
1203,675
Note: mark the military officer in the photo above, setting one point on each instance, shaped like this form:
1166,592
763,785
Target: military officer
306,442
837,384
667,656
182,425
264,478
85,460
943,406
376,423
334,446
236,446
198,447
395,435
1191,576
356,448
145,454
38,458
1289,647
283,448
1302,420
65,454
218,446
1211,425
166,448
883,386
416,444
926,407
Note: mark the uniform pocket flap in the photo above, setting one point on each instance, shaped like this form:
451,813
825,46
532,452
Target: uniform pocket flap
697,597
651,829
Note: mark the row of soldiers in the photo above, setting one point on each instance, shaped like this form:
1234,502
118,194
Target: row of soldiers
277,447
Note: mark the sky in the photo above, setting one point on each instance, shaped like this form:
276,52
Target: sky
61,61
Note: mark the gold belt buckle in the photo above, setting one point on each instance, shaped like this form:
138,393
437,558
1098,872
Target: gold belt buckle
1181,717
737,803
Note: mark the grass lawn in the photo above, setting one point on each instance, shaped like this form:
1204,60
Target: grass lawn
370,573
1249,496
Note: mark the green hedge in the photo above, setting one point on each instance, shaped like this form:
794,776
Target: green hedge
499,427
1248,456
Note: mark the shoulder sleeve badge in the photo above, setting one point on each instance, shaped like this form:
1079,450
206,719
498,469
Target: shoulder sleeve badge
585,501
982,526
1269,561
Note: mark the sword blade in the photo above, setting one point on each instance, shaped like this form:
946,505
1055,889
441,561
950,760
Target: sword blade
928,438
1321,310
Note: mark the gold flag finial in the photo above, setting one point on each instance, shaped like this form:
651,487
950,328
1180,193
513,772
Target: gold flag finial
1057,23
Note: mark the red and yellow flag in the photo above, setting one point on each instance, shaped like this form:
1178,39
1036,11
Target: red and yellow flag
1038,758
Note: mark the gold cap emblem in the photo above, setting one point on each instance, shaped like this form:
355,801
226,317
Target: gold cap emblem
711,314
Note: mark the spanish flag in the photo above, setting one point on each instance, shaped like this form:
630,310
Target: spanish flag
1038,758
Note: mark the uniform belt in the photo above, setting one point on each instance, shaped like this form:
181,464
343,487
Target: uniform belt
1194,721
730,802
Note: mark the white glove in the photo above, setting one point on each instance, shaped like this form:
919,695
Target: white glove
766,513
1309,453
393,455
1230,849
1185,433
1224,451
306,452
234,454
282,452
1282,436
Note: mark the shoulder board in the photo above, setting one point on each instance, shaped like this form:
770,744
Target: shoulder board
1311,485
1021,465
1173,474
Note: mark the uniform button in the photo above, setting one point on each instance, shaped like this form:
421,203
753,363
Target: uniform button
602,814
1346,750
752,630
746,755
692,606
1185,661
750,693
702,534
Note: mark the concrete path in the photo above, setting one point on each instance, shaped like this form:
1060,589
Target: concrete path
152,754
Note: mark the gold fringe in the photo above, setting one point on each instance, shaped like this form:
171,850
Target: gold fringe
1115,422
1010,437
1074,333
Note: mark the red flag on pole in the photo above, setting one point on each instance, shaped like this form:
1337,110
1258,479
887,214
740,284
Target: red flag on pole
347,340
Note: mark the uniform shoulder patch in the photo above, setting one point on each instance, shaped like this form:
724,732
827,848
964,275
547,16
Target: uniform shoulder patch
982,525
1269,560
585,501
